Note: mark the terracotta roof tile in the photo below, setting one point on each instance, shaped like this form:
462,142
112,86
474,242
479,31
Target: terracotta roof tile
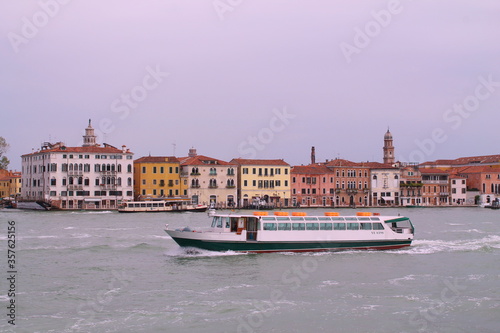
157,159
242,161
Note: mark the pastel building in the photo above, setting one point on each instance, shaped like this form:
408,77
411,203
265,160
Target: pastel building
410,185
87,177
458,187
261,180
157,177
352,182
10,184
385,184
312,185
209,180
435,187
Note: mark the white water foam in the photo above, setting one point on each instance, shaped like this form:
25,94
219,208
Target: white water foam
425,246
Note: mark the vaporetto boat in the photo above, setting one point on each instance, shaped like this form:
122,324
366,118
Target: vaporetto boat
262,232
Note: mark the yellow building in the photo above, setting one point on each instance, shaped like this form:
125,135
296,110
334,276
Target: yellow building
264,182
157,177
10,184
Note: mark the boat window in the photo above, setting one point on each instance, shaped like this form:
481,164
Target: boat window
143,205
296,218
214,221
219,222
337,219
366,226
283,218
364,219
270,226
268,218
312,226
378,226
351,218
324,218
325,226
311,218
228,222
149,205
374,218
155,204
298,226
339,226
352,226
284,226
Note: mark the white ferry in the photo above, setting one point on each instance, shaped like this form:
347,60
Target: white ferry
167,205
262,232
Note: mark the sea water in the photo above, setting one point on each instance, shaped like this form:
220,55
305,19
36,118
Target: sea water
112,272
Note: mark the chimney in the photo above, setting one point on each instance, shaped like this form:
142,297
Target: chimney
313,156
192,152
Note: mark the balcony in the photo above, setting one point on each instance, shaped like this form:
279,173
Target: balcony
75,173
444,194
108,173
108,186
195,186
74,187
213,186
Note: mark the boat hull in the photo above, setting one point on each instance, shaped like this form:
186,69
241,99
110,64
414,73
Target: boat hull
287,246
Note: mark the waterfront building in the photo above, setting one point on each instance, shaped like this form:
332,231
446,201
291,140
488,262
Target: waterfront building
157,177
10,184
485,180
458,188
351,182
435,187
312,185
385,184
266,181
208,180
410,185
87,177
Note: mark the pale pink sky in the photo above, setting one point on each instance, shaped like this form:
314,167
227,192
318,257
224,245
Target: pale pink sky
262,78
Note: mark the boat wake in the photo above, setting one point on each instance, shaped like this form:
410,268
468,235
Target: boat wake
424,246
189,252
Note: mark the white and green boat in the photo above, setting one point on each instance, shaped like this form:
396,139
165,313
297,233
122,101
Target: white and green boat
280,232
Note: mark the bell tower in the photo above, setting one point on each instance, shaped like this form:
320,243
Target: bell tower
89,139
388,148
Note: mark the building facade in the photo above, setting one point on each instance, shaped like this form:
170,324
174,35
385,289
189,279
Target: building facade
410,185
312,186
157,177
263,181
352,182
435,187
87,177
10,184
385,185
209,180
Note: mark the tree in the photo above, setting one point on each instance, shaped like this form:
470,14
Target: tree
4,161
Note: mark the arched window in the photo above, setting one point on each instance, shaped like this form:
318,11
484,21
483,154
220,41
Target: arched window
80,180
70,181
70,167
112,167
119,168
129,181
119,182
129,168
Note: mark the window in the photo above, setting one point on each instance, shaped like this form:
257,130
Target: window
270,226
154,169
143,169
284,226
339,226
352,226
298,226
366,226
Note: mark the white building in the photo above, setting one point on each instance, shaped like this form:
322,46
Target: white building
87,177
384,185
458,186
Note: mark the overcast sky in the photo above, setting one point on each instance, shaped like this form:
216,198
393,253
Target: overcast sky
253,79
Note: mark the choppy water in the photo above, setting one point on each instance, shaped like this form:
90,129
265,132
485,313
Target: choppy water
111,272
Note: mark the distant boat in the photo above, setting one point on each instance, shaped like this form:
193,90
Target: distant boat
167,205
297,233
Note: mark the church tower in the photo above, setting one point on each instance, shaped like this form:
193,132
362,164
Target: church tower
388,148
89,139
